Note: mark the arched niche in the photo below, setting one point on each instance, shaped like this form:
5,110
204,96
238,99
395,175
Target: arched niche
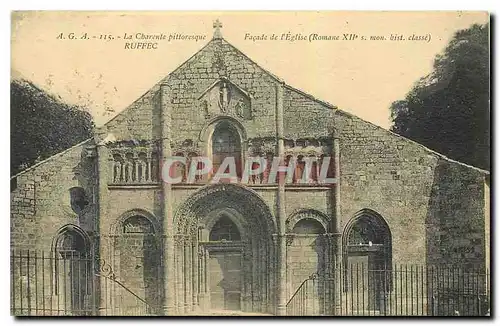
302,214
137,257
307,252
117,225
308,226
78,199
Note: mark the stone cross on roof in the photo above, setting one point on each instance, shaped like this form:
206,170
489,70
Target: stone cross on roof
217,26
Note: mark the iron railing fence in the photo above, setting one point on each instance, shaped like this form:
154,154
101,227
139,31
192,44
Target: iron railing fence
70,284
403,290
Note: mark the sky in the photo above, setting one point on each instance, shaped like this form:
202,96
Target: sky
362,77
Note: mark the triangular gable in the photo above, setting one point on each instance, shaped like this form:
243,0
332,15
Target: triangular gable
148,95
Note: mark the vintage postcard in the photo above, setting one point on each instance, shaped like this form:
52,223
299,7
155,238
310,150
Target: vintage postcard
250,163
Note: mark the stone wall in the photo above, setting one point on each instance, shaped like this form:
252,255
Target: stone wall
320,200
122,201
138,121
457,213
41,199
305,256
305,117
412,188
389,175
220,59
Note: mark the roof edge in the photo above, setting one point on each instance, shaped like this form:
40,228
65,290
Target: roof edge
281,81
159,82
427,149
273,76
334,107
49,158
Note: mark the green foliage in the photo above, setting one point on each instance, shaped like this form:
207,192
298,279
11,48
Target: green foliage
449,110
42,126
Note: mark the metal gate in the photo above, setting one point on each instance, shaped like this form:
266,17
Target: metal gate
71,285
402,290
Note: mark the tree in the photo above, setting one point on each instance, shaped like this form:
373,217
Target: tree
42,125
449,110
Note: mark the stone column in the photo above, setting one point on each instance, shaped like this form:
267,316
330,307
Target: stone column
330,276
274,276
206,283
101,225
202,285
336,228
179,275
195,273
323,274
281,216
187,276
168,243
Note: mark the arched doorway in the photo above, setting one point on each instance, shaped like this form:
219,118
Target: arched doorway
72,270
224,251
367,260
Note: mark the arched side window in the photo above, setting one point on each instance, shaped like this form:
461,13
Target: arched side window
307,221
71,241
366,233
224,230
226,142
369,233
70,244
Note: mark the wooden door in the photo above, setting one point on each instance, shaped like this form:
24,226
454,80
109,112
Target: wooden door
225,280
364,281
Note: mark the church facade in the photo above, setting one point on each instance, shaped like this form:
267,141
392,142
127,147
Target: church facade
197,246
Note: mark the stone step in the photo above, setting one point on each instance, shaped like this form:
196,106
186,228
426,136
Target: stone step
229,313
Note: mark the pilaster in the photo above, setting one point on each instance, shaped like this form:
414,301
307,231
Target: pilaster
168,244
102,211
280,204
